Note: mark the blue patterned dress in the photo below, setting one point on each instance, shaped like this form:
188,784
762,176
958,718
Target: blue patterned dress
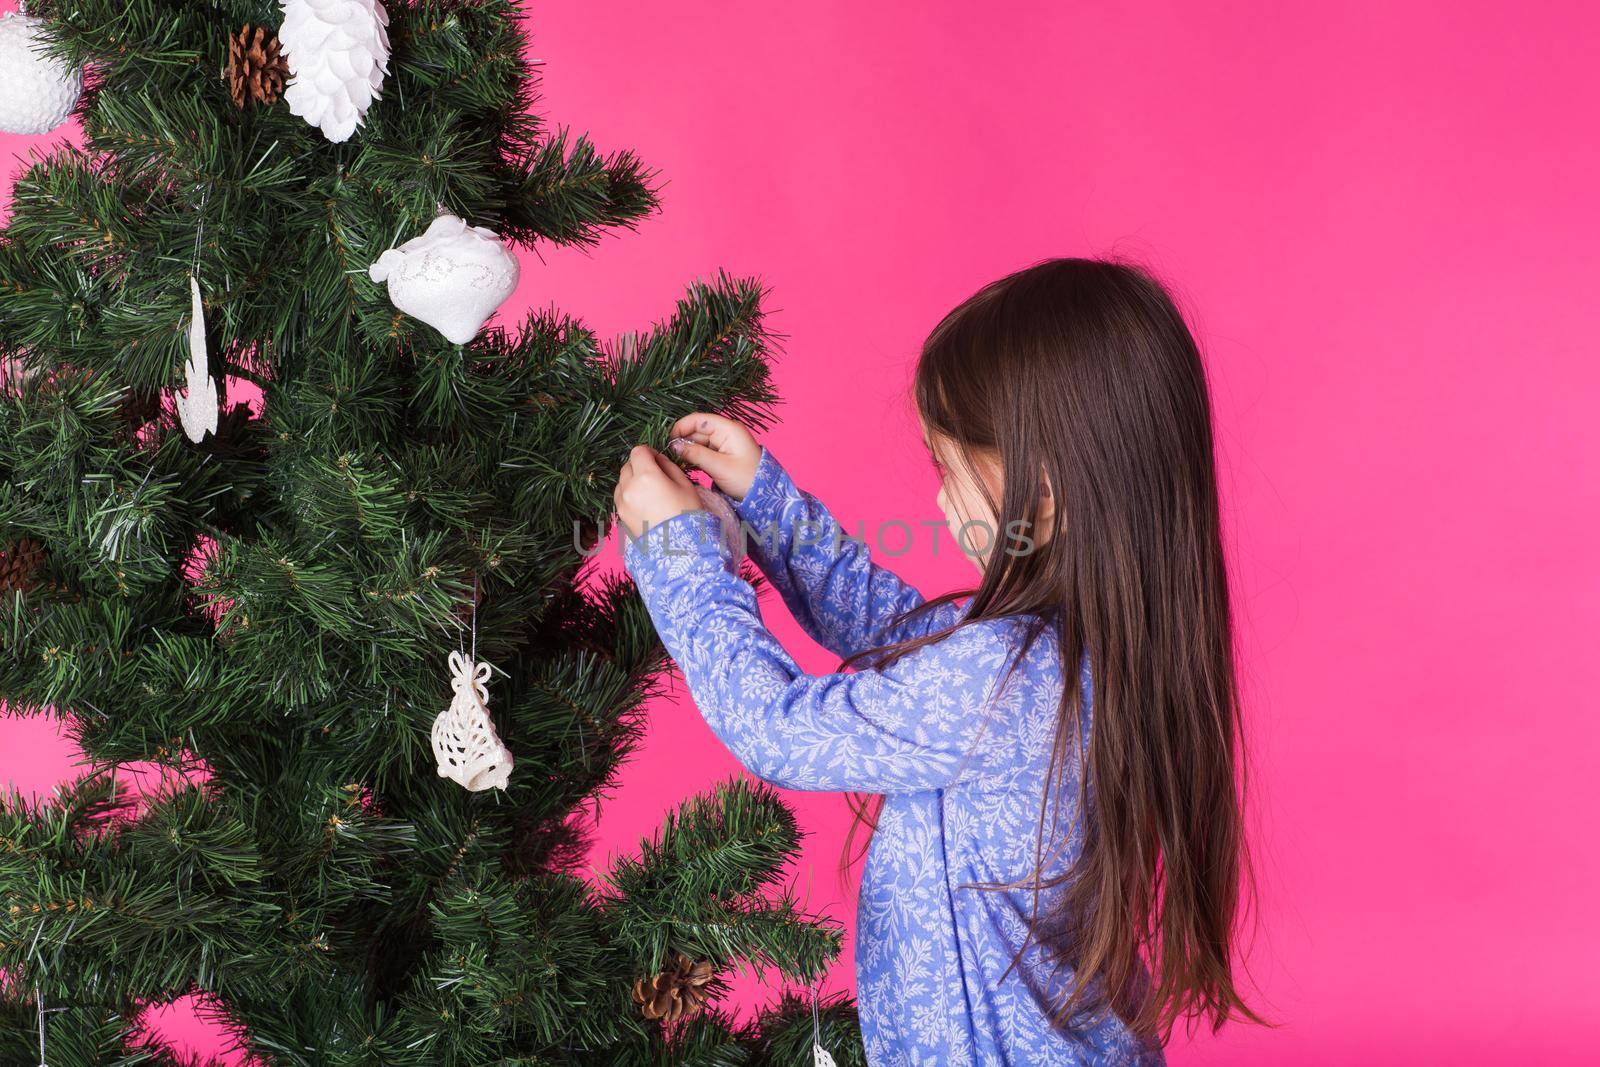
960,758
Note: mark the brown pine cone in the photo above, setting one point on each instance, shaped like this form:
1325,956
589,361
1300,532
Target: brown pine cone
678,992
18,562
256,67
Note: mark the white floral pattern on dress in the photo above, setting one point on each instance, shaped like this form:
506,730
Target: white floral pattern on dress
962,765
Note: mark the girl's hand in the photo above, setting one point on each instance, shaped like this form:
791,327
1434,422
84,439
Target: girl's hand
650,490
720,447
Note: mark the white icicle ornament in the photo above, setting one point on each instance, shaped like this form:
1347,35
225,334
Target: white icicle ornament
37,90
465,744
453,277
197,404
338,53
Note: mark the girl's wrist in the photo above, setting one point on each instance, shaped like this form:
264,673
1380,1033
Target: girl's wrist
694,532
761,476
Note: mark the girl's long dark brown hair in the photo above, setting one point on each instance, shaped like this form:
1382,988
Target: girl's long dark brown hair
1082,376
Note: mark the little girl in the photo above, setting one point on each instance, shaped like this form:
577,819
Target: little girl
1055,870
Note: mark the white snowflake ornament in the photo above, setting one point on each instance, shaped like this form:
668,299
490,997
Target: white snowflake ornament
465,744
338,54
37,90
453,277
197,404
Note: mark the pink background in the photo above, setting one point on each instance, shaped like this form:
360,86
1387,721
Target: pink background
1383,223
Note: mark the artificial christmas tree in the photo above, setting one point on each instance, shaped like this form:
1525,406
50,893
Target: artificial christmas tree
268,611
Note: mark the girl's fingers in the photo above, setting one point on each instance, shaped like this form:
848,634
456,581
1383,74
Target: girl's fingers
683,446
642,460
702,456
697,422
719,446
673,471
718,431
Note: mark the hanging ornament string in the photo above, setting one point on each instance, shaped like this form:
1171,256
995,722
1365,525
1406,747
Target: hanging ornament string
200,231
38,993
820,1057
474,616
33,951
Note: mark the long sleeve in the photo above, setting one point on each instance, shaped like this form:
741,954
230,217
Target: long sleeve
924,722
845,601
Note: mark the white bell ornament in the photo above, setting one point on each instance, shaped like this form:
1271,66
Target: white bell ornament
465,745
37,90
453,277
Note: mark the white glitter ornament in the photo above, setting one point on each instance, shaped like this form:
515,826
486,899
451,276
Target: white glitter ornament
453,277
465,744
197,404
732,532
732,527
338,53
37,90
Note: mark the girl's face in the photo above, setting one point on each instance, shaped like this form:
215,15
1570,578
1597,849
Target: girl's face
964,476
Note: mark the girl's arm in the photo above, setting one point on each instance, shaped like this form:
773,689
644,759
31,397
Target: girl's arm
846,602
922,723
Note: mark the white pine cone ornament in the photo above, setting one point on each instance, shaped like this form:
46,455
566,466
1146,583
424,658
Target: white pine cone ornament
453,277
338,53
37,90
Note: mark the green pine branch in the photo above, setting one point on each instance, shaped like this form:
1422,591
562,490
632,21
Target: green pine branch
266,615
